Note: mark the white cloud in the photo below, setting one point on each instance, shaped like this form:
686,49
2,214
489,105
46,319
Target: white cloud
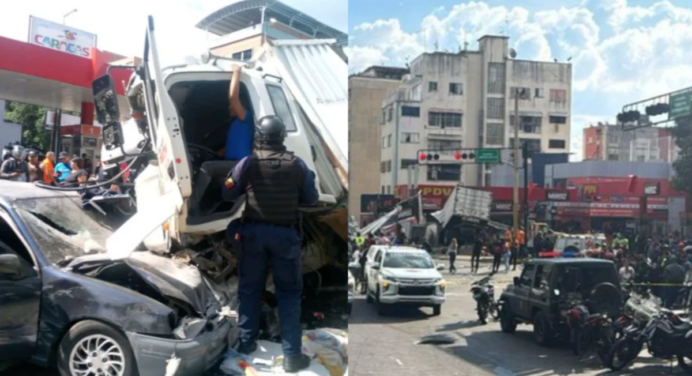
620,53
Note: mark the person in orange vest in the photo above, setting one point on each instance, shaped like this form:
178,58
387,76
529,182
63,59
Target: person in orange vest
521,241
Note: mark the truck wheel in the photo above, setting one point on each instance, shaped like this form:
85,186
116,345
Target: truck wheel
381,309
437,310
541,329
90,347
507,322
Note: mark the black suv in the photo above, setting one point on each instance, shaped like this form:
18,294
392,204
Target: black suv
546,285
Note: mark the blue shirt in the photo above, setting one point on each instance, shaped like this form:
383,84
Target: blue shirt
308,193
239,138
62,171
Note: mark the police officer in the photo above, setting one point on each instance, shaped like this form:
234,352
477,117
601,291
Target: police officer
275,183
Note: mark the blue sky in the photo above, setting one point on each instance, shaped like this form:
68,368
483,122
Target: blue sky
622,50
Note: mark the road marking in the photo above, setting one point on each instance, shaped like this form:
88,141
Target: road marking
399,361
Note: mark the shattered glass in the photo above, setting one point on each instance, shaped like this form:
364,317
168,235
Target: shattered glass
61,228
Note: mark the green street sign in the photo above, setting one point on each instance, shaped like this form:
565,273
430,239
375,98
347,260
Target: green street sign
487,155
680,105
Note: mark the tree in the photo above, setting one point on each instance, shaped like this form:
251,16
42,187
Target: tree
682,132
32,119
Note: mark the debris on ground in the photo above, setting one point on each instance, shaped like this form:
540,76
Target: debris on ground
329,347
436,339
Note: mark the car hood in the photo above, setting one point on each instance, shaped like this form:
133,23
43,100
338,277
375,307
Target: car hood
179,281
412,273
174,280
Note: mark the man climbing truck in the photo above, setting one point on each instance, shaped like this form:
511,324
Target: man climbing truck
239,140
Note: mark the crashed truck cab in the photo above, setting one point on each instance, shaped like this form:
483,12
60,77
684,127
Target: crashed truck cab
180,119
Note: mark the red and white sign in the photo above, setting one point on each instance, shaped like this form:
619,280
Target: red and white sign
61,37
433,197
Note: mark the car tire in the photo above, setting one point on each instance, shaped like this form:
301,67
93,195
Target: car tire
541,329
507,322
82,335
381,309
437,310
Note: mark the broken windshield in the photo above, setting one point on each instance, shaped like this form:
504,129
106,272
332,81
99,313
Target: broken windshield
61,229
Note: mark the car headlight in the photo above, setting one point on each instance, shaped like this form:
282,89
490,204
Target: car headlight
390,279
442,283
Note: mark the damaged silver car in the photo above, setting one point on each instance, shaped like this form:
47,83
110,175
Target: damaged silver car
66,303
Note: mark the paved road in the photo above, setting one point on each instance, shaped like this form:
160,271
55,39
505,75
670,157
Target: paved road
385,345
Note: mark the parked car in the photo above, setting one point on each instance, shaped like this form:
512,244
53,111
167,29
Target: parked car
546,286
66,303
403,276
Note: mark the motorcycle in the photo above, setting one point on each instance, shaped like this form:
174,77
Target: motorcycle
484,295
588,330
666,337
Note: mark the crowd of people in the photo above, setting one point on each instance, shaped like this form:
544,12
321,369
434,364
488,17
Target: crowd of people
20,164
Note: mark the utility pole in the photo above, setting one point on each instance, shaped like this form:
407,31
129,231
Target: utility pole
515,199
525,157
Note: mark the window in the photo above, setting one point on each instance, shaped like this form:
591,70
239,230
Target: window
383,169
527,124
410,138
444,146
409,111
641,158
613,157
383,190
456,88
242,55
534,146
496,78
527,274
389,189
558,119
495,134
390,113
432,86
444,119
524,93
405,163
496,108
558,96
281,108
542,279
539,93
556,144
389,166
378,257
444,172
386,141
12,244
383,116
389,140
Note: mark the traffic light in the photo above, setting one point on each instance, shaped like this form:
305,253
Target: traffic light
657,109
429,157
629,116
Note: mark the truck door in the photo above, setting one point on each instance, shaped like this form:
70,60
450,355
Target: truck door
520,303
540,289
167,137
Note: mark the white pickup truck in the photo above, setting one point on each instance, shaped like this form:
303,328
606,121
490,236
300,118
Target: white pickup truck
183,122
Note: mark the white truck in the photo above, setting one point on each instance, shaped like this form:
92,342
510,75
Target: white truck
181,118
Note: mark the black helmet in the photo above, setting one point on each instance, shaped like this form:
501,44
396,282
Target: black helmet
270,130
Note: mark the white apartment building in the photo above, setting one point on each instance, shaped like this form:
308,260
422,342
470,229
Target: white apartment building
464,101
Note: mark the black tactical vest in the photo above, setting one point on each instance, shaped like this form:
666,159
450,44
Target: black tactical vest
274,180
